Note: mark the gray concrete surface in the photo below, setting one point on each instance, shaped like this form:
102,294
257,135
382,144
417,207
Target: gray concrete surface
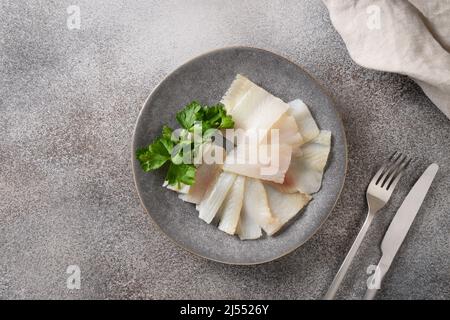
69,100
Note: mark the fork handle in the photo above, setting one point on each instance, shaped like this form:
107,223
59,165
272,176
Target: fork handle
331,293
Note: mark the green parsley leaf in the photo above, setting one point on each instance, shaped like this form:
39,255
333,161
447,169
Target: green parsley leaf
191,113
157,153
166,139
209,117
153,157
181,173
226,122
216,117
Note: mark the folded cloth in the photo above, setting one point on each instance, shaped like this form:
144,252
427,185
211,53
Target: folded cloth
410,37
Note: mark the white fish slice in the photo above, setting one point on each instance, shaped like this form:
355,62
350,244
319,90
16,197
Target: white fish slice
232,206
205,175
305,121
256,108
236,92
243,110
285,206
250,161
247,228
256,205
214,196
288,132
288,185
306,171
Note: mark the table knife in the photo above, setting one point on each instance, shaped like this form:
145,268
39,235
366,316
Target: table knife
400,225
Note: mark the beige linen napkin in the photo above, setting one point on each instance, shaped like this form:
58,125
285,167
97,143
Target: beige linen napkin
410,37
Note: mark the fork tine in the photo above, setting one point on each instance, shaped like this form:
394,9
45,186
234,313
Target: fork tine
392,185
393,169
392,182
377,176
387,172
379,172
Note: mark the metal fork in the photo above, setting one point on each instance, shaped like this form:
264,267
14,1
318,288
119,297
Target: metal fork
378,194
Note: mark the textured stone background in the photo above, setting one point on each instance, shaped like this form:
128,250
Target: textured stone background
69,100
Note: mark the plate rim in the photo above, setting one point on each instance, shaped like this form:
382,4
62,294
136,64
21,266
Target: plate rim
333,105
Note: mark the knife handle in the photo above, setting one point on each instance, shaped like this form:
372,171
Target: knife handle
370,294
381,270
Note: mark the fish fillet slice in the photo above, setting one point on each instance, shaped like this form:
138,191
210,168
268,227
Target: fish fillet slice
257,207
288,185
258,115
288,131
247,161
306,171
305,121
254,109
214,196
244,112
285,206
236,92
205,175
247,228
232,206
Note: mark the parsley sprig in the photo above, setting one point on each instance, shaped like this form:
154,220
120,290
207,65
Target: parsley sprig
169,149
213,117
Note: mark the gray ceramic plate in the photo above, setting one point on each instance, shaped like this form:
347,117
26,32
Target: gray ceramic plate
206,79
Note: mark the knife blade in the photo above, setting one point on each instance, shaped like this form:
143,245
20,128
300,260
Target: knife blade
400,225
